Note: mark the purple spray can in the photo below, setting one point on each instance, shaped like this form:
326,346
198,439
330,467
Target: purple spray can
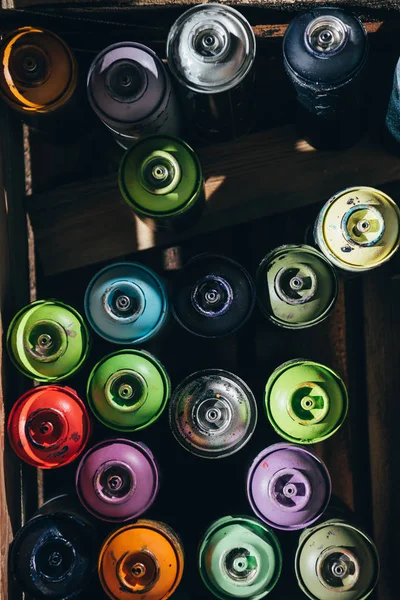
288,486
117,480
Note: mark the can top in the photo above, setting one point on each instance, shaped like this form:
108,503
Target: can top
306,402
335,558
325,46
358,229
159,176
38,70
288,486
211,48
296,286
126,83
239,557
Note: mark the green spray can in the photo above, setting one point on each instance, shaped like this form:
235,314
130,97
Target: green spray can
239,557
48,340
160,177
128,390
306,402
336,561
296,286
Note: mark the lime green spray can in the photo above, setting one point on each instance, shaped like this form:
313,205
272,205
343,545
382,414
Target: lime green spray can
160,177
128,390
306,402
48,340
239,557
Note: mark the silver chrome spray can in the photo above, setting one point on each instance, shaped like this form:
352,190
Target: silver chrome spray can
131,93
211,51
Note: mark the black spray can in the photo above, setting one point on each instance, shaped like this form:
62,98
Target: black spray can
324,54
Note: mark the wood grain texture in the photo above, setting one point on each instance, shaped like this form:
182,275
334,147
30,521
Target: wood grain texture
266,173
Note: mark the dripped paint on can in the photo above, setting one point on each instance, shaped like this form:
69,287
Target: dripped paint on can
296,286
288,486
131,93
211,51
214,296
336,560
212,413
128,390
160,177
325,53
306,402
53,557
126,303
48,340
117,480
143,559
48,426
239,557
358,229
392,121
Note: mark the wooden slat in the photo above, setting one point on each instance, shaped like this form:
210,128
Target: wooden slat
268,172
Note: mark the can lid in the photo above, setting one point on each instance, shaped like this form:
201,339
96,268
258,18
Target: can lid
306,402
239,557
126,83
358,229
38,70
211,48
159,176
296,286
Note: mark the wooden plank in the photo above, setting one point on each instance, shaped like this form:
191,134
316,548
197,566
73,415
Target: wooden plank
266,173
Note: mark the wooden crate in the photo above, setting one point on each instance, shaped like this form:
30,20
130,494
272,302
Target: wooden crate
261,192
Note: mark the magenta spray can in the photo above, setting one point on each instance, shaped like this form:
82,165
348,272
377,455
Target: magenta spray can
288,486
117,480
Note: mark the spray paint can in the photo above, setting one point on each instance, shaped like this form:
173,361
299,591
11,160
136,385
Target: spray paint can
131,93
214,296
48,340
211,51
336,560
48,426
160,177
144,558
53,557
128,390
306,402
126,303
325,52
296,286
392,121
358,229
212,413
39,78
288,486
239,557
117,480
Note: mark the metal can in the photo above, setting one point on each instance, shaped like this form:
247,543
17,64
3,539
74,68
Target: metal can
53,557
126,303
212,413
296,286
239,557
211,51
160,177
324,53
214,296
336,560
392,120
306,402
128,390
288,486
48,426
358,229
145,558
117,480
48,340
131,93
